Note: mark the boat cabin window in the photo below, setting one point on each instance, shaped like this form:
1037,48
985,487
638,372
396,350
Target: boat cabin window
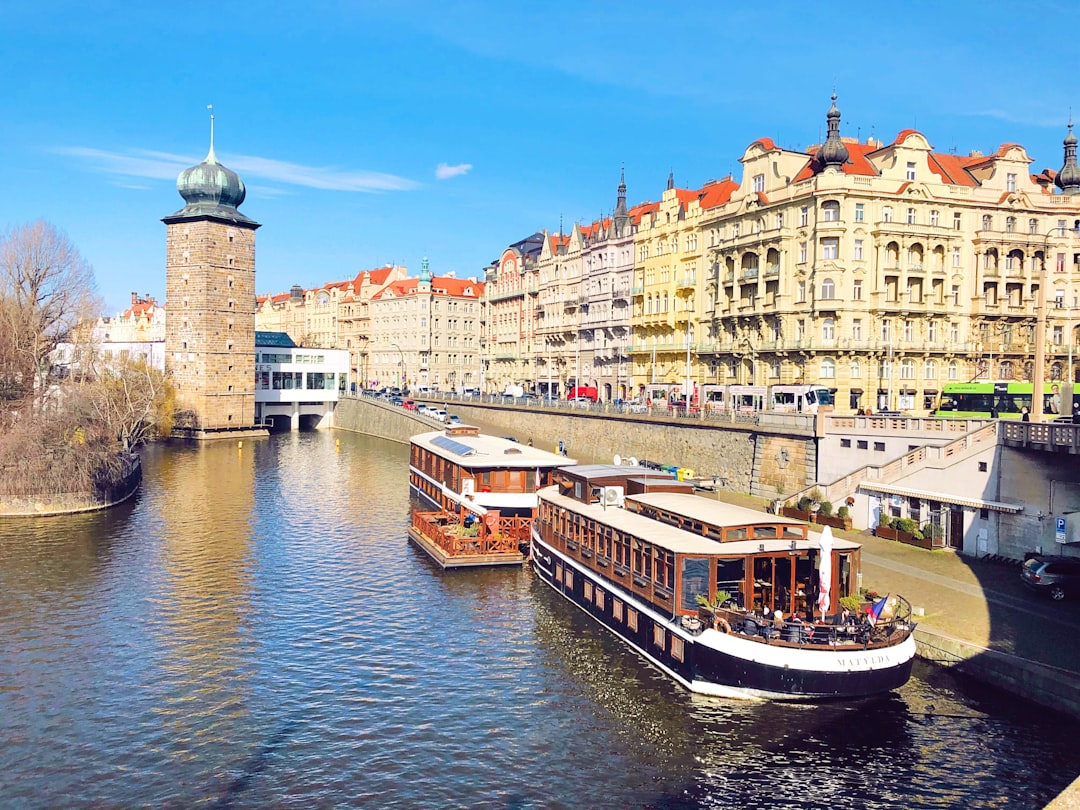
794,532
730,576
695,581
766,532
735,534
577,490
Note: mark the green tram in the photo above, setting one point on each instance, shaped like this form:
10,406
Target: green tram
974,400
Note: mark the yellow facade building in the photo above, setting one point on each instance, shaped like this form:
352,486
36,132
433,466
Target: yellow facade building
885,270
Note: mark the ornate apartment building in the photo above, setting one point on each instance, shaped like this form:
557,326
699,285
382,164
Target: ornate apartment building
886,270
511,290
336,315
669,319
425,333
210,289
882,270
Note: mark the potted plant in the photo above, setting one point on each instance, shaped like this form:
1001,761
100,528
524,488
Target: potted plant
844,514
885,527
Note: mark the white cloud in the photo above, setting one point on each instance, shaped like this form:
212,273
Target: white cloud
444,171
166,166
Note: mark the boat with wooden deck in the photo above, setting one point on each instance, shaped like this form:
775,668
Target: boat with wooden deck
645,559
479,493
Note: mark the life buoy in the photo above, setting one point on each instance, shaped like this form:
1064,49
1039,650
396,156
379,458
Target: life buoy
722,625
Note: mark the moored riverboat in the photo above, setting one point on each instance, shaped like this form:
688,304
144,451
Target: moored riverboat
479,495
726,600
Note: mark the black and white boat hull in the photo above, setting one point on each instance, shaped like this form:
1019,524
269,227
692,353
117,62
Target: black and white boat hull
711,662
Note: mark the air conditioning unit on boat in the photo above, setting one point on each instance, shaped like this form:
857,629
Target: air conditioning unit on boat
613,496
468,487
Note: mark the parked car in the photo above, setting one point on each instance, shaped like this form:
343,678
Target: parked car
1051,574
423,410
636,407
453,419
438,414
408,405
397,401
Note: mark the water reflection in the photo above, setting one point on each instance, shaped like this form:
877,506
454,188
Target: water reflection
255,630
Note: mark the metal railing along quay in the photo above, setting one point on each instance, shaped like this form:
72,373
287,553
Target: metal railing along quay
657,411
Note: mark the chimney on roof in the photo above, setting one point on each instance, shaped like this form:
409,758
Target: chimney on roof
296,293
134,298
975,153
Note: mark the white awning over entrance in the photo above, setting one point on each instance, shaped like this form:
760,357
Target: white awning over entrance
941,497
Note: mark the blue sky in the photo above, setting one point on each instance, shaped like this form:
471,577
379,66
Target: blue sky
339,115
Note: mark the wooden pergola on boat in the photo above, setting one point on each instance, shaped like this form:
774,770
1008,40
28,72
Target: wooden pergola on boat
636,555
479,495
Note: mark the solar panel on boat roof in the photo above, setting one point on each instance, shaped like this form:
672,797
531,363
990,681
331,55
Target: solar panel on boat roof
458,448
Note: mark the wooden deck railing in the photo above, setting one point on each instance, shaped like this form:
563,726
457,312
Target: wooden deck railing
444,530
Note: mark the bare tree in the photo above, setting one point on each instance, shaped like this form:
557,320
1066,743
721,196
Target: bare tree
46,288
130,401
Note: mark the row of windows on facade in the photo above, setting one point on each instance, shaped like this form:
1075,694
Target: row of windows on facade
394,359
398,304
452,324
298,380
830,212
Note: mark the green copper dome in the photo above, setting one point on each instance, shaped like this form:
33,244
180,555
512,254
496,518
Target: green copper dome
210,190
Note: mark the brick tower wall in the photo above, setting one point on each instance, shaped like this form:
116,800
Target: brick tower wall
210,328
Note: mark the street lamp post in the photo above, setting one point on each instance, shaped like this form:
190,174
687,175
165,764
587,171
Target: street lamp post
401,363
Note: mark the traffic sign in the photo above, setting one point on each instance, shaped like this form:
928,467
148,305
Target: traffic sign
1059,534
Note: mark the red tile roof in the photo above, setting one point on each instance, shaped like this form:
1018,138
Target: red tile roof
440,285
638,211
953,168
857,163
718,193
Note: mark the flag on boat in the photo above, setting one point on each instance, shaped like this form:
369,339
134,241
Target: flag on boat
825,543
881,610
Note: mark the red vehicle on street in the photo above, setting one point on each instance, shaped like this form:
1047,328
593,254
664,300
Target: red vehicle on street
408,405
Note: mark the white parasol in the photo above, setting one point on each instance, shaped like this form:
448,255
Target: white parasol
825,543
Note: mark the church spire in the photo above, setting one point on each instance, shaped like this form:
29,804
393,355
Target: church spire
620,220
671,180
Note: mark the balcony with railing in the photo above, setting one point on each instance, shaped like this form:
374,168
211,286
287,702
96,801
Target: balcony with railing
504,293
687,281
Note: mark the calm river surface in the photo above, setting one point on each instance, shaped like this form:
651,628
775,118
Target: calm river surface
254,630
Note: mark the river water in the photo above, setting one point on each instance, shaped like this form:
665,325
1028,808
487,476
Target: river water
254,630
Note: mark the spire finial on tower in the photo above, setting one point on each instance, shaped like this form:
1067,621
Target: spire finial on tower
1068,179
211,157
833,154
671,179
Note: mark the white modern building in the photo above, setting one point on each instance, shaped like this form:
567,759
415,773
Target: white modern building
297,384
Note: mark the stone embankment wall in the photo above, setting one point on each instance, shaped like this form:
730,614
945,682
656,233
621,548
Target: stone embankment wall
66,503
745,459
1048,686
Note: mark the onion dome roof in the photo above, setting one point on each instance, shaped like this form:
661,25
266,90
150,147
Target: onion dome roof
211,190
833,152
1068,179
